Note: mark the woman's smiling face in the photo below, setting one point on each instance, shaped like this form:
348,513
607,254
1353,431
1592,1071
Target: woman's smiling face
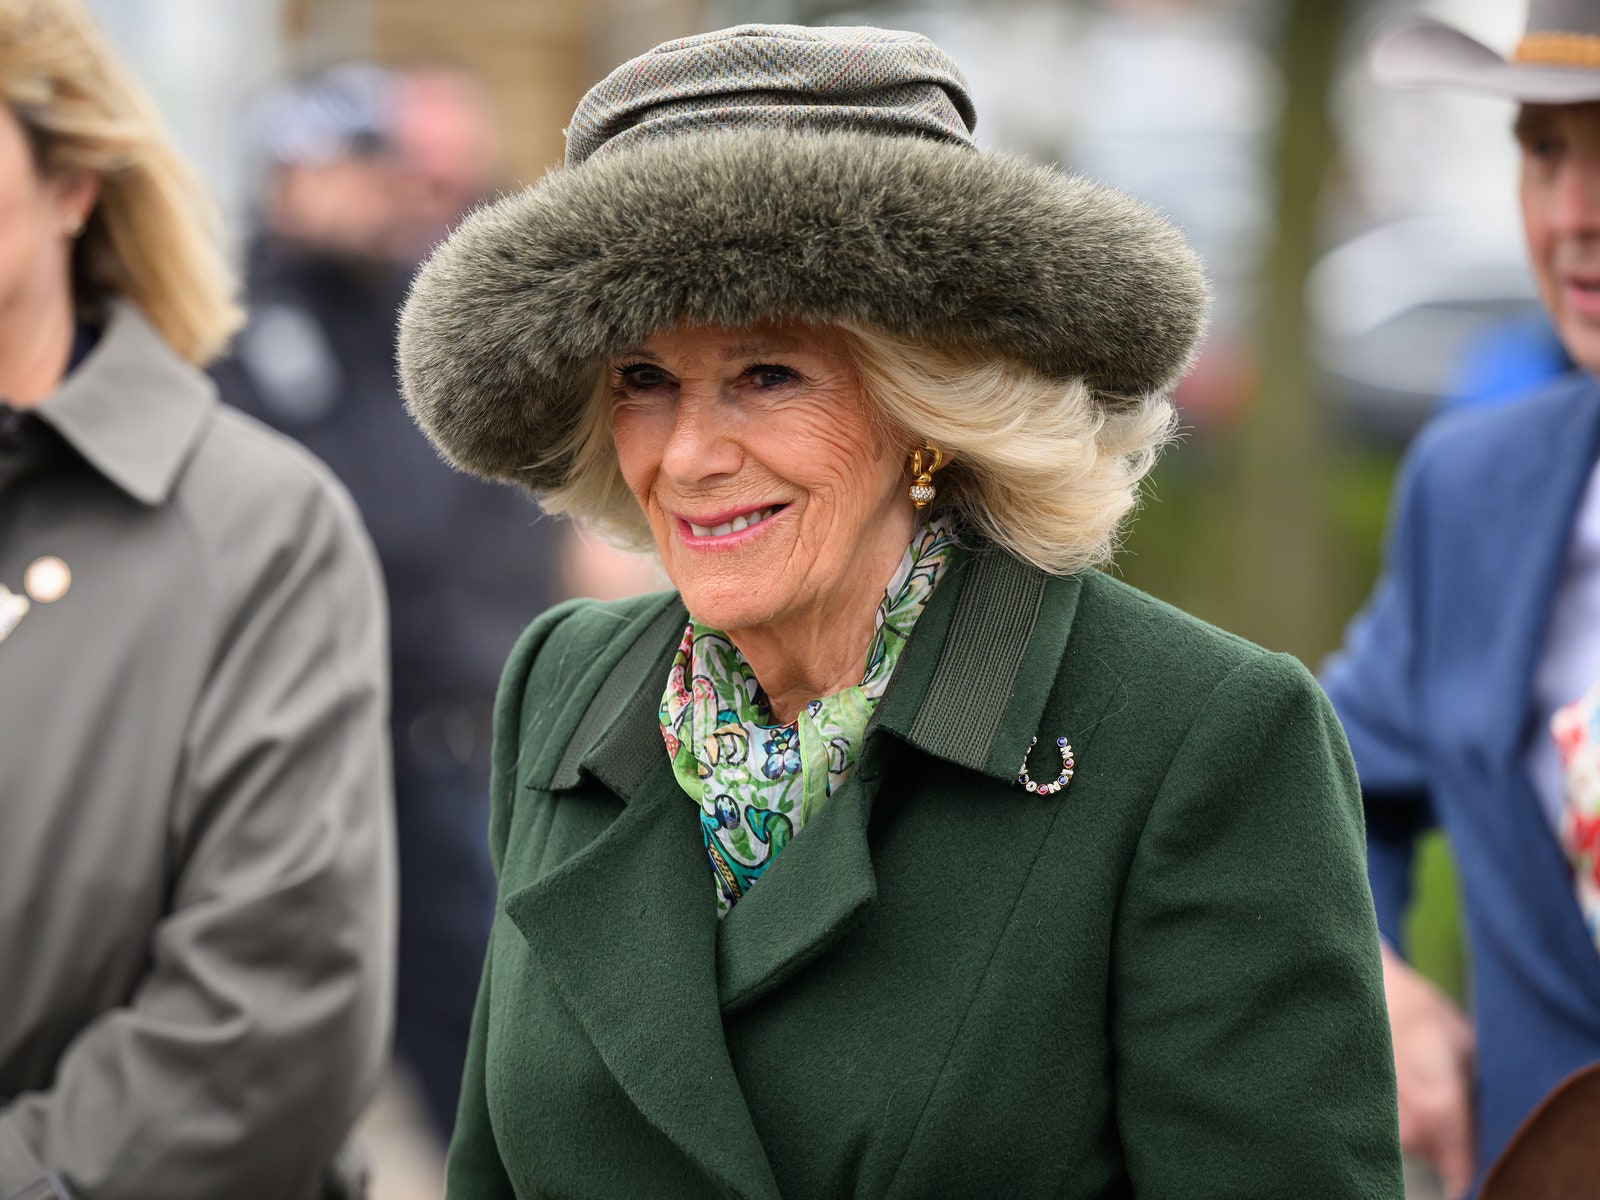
772,494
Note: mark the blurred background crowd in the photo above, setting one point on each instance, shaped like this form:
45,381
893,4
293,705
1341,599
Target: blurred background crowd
1363,245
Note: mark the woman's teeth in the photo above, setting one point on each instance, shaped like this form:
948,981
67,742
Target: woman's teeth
743,521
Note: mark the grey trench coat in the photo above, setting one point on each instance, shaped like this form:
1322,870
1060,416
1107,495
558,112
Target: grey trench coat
196,862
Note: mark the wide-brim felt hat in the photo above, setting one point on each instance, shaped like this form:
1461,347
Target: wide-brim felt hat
780,172
1557,60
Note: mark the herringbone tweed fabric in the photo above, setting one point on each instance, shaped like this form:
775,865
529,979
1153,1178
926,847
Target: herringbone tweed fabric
777,76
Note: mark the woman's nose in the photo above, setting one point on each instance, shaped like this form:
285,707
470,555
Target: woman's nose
703,443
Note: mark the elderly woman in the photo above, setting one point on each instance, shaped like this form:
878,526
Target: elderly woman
896,853
195,831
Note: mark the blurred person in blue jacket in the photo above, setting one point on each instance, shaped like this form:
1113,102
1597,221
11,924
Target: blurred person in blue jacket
467,564
1485,623
1507,360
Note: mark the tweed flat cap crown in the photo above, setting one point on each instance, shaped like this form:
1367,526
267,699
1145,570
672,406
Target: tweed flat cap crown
777,76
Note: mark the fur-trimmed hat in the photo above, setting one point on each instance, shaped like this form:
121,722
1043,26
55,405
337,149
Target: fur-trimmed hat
774,171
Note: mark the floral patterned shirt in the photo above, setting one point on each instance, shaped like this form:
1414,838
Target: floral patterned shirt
1576,729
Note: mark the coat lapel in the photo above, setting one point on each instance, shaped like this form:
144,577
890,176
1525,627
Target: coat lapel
627,928
969,689
804,902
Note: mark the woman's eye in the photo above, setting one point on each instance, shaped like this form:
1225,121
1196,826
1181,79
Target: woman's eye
768,376
641,375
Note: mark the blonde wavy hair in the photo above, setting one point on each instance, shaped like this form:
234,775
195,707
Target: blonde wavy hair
152,236
1037,466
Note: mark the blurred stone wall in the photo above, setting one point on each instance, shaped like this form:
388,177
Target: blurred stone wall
204,63
537,57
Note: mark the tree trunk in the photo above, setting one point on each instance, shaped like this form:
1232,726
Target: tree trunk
1280,492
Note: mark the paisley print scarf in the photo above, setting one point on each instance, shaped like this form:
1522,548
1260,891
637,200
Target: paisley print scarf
756,783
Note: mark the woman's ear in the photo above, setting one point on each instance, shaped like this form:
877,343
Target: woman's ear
77,192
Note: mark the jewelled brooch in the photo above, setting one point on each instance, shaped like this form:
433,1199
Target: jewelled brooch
1060,781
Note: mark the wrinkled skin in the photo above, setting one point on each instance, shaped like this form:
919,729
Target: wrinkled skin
714,424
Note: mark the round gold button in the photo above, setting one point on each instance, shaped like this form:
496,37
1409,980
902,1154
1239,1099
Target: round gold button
47,579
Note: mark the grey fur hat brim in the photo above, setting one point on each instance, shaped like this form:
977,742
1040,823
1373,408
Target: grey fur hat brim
510,320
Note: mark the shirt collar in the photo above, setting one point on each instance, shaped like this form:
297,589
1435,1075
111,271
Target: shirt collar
133,409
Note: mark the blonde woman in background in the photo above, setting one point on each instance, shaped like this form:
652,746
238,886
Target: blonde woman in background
195,831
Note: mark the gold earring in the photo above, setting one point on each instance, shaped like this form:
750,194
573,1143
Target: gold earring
922,489
74,226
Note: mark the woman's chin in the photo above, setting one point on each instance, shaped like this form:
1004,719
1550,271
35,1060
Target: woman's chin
716,608
732,591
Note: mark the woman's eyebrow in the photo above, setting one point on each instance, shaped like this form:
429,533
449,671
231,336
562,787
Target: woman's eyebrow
637,352
756,347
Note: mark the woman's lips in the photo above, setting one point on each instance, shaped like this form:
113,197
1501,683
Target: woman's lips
727,527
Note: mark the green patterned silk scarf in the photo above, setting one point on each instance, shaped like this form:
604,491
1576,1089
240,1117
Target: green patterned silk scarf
757,783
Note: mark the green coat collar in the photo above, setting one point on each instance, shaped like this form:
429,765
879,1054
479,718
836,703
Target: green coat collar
627,929
969,689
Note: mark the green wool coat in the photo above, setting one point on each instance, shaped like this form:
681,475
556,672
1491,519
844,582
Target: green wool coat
1162,981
